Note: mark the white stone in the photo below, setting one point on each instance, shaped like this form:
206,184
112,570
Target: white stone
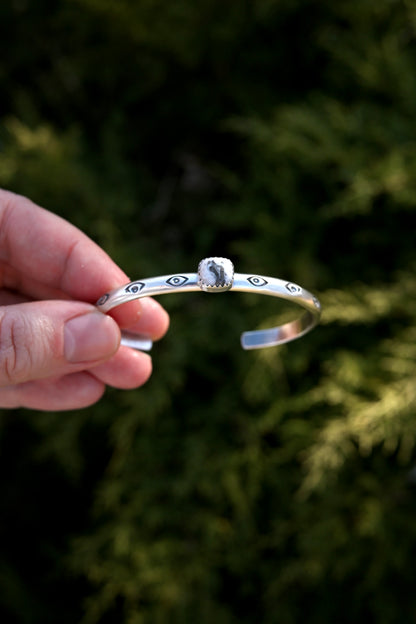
215,274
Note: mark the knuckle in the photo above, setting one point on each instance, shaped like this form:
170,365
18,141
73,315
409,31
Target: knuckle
16,358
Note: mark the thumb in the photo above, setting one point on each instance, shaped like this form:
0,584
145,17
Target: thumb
52,338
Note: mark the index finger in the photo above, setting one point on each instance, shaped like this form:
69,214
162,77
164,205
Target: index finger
46,255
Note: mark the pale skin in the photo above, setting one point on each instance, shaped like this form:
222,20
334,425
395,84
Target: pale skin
57,352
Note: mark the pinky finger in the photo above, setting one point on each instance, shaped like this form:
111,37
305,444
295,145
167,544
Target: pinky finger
70,392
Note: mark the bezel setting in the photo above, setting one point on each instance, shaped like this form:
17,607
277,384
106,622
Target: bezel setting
215,274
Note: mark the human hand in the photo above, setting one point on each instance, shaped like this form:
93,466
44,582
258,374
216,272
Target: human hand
57,351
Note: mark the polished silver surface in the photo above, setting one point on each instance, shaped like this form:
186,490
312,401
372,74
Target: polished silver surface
217,275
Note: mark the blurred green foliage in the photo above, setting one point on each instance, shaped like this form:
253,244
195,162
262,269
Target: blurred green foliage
274,487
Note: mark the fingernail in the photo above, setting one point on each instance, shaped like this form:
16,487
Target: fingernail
90,337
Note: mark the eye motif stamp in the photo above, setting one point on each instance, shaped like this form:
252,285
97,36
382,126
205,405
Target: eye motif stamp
215,274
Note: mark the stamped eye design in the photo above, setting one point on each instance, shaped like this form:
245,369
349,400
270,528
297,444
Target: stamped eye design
134,288
257,281
177,280
101,301
294,289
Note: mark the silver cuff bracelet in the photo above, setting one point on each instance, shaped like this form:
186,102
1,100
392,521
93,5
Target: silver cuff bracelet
216,275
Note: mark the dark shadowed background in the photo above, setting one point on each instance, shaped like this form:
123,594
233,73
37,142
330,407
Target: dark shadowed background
272,487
